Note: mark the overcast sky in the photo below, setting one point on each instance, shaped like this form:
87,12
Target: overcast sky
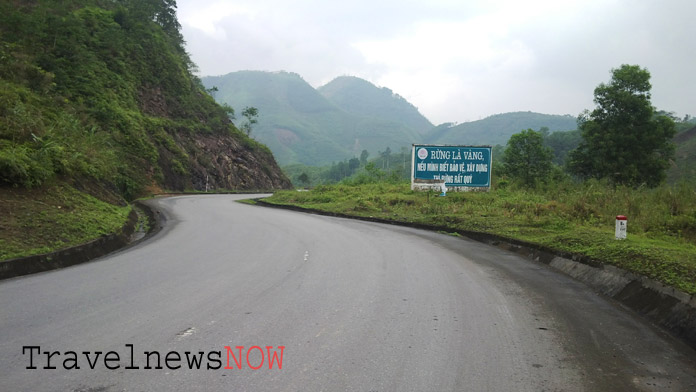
456,60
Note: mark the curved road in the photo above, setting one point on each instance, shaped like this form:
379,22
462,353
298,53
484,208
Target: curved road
357,307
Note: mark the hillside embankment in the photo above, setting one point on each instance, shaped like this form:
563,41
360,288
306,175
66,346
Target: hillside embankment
100,105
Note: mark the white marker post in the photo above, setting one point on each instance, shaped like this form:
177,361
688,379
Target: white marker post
443,188
621,227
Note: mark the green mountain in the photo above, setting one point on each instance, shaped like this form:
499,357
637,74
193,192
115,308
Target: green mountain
361,98
337,121
301,124
103,92
297,123
498,128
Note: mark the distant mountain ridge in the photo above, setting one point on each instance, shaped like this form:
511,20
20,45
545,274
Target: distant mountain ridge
301,124
291,113
498,128
334,122
361,98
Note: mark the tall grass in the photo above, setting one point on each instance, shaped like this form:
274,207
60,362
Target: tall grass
666,210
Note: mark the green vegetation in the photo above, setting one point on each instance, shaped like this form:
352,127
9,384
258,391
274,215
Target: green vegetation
337,121
386,166
304,125
318,131
527,159
250,115
623,146
566,217
684,166
561,143
498,128
101,95
102,90
623,138
53,217
535,201
361,98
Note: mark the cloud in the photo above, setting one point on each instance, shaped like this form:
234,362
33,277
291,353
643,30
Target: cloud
209,19
454,60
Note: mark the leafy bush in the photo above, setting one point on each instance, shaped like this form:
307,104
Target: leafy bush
19,166
97,90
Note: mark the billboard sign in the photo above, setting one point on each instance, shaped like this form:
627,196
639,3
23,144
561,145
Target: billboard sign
456,166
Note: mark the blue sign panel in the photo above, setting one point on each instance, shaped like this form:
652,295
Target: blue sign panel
465,166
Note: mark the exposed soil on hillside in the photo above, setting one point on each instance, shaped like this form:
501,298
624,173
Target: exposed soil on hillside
223,162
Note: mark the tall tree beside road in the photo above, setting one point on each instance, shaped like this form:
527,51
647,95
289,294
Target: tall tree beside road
624,139
526,157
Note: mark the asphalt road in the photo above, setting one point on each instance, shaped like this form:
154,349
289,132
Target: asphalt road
357,307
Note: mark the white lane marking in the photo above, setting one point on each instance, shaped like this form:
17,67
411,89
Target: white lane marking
306,255
186,333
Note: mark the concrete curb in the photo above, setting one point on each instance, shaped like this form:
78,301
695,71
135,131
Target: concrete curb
155,217
81,253
665,306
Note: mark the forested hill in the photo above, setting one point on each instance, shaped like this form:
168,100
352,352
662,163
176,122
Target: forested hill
103,91
361,98
319,126
498,128
335,122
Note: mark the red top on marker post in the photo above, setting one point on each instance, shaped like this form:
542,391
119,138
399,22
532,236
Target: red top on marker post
621,223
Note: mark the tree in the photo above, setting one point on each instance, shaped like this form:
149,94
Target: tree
363,157
353,164
562,143
304,179
386,154
623,138
341,171
526,158
373,171
212,91
250,113
498,152
162,12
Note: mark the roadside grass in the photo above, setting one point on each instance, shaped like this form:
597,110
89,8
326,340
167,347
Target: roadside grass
52,217
566,217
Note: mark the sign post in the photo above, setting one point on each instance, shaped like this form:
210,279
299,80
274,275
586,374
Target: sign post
455,167
621,227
